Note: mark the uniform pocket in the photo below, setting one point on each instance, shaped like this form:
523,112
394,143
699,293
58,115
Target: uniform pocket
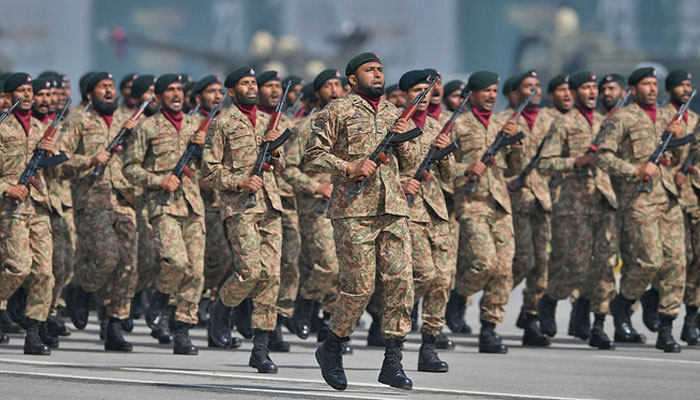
163,150
242,149
643,141
360,137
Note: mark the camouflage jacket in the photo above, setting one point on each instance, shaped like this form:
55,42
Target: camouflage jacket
630,138
16,149
447,186
571,136
83,136
210,196
473,139
430,197
123,112
688,198
152,153
348,130
285,188
235,145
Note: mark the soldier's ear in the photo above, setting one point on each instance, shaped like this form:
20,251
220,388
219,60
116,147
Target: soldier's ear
352,79
89,96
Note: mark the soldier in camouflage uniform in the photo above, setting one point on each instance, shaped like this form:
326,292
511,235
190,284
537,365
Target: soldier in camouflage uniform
652,238
128,103
370,229
582,213
25,242
254,234
178,226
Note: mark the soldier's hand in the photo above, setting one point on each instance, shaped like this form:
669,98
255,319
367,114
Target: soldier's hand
679,178
510,128
442,141
478,168
411,187
199,138
100,158
203,185
18,192
325,190
361,168
586,159
48,144
400,126
647,169
677,128
169,183
252,183
272,135
130,124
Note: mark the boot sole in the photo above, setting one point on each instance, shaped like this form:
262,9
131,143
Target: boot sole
386,382
428,369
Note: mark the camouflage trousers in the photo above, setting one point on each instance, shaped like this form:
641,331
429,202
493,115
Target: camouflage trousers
691,297
533,231
454,237
289,267
652,244
107,244
180,245
64,245
256,244
218,261
25,251
371,247
321,283
585,256
486,250
147,266
431,250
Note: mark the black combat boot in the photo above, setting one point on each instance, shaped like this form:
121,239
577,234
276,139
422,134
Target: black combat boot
489,341
277,343
428,360
392,371
689,333
114,340
650,308
302,317
7,324
443,342
219,330
32,341
621,310
521,322
375,335
547,309
203,312
259,356
163,332
128,324
580,323
154,314
181,339
16,305
242,318
46,337
3,338
598,337
665,340
533,335
454,312
329,356
57,327
104,320
137,306
414,317
325,327
79,307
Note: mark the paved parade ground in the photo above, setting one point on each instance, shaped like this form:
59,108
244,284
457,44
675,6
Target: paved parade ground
569,369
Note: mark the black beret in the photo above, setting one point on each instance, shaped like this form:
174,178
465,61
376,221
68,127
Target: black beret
40,84
3,76
556,82
453,85
293,79
188,86
325,76
309,92
578,78
508,85
48,74
676,77
186,77
236,75
267,76
204,82
52,77
164,80
412,78
61,81
482,79
16,80
96,78
358,60
391,88
433,72
344,81
127,78
641,73
141,85
619,79
518,79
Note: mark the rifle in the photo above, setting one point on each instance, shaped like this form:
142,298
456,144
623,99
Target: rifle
192,150
501,140
517,183
39,160
9,111
435,154
687,167
194,110
295,107
588,171
116,144
667,142
262,164
381,152
87,106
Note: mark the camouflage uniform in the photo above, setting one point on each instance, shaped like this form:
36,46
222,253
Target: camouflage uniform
652,240
179,229
486,244
25,243
104,214
430,234
147,266
254,234
584,216
371,229
64,238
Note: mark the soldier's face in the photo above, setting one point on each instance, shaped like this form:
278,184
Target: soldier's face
645,91
587,95
437,92
172,97
293,93
154,105
62,98
453,100
126,93
526,87
104,91
484,99
27,93
681,93
413,92
5,102
246,91
368,79
42,101
610,93
55,98
330,90
397,98
271,93
211,96
561,98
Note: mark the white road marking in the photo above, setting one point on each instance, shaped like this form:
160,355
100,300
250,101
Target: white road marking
661,360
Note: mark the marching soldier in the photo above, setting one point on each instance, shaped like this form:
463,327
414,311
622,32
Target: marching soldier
559,94
128,103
